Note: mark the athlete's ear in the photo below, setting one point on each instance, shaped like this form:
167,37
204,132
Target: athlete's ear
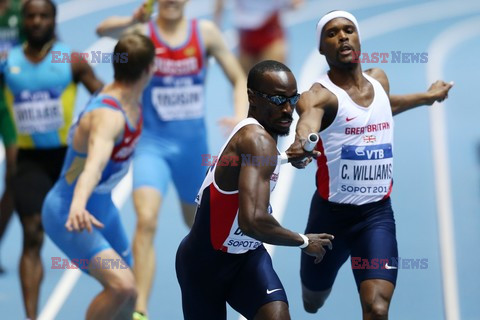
251,97
152,68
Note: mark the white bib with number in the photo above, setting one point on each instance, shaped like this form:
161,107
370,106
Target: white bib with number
178,103
39,114
366,170
357,148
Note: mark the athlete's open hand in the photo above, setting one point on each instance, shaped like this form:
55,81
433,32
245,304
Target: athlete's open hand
438,91
80,219
317,244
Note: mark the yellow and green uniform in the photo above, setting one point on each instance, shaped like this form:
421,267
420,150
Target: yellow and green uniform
7,128
10,35
40,97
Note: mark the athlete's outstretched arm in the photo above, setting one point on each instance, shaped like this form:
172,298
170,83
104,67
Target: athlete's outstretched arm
311,109
438,91
83,73
216,47
101,128
254,198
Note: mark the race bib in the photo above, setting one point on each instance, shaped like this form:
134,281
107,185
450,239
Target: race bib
178,103
366,170
238,242
38,112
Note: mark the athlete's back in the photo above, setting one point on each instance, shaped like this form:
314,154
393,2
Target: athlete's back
120,158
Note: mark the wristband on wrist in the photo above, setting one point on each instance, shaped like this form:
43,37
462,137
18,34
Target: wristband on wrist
305,241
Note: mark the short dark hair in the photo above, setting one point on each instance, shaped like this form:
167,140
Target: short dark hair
139,53
50,2
255,76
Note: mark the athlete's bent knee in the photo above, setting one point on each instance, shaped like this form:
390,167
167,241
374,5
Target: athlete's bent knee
376,295
314,300
124,291
312,306
377,310
147,223
32,235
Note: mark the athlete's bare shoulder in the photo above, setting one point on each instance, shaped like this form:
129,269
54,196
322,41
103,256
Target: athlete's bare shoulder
320,91
208,29
255,140
211,35
379,75
317,97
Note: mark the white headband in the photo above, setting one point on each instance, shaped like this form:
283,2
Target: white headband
329,17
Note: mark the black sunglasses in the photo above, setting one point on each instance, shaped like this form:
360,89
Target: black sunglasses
279,100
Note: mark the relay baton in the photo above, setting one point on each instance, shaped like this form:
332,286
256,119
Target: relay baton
312,140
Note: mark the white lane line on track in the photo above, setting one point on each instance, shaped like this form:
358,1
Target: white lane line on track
441,46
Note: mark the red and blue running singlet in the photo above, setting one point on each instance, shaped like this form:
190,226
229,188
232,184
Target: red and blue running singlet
222,208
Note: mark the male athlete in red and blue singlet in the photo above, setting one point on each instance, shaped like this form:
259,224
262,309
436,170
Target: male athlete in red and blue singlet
223,259
101,144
